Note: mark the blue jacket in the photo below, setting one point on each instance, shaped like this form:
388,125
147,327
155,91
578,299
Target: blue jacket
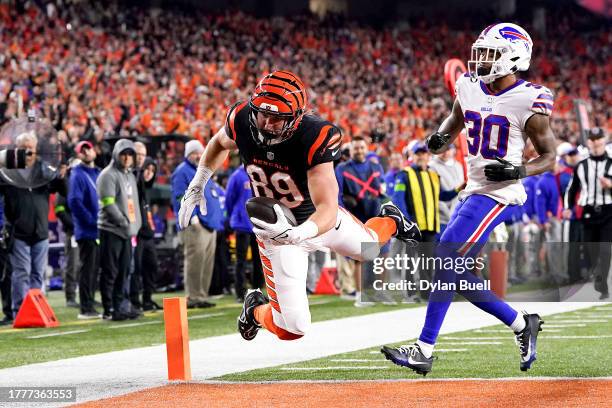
238,192
219,223
181,177
530,188
547,196
83,201
367,195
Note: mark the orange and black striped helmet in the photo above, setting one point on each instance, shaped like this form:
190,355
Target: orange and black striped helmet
281,94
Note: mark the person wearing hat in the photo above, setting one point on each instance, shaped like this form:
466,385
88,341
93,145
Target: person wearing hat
593,179
83,205
119,220
418,193
199,238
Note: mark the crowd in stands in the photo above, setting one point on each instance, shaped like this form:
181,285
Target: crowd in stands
97,70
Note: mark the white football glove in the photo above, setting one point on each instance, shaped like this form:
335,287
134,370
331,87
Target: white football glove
281,231
194,196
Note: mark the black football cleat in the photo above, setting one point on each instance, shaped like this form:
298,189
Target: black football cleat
409,356
247,325
526,340
407,230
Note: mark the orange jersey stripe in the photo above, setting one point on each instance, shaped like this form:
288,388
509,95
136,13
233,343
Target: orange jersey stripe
232,117
318,142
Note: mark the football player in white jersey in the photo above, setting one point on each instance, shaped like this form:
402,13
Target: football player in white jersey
499,112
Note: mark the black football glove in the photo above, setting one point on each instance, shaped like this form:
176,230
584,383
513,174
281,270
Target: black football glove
437,141
504,171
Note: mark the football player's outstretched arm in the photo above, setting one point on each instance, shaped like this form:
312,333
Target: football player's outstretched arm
448,130
538,130
215,154
323,189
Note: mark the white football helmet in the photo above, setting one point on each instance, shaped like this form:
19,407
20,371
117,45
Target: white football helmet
500,50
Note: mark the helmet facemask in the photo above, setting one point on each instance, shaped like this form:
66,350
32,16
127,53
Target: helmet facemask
268,137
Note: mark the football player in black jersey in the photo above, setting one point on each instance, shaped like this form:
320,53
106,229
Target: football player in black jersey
288,155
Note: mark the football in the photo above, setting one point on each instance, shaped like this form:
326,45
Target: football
262,208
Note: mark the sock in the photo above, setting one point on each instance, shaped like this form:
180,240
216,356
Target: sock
519,323
426,349
384,227
263,316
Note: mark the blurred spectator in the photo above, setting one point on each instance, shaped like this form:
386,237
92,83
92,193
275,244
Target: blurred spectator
548,206
418,193
83,203
119,221
238,192
593,178
451,177
145,254
396,164
199,239
5,272
26,211
360,185
71,249
220,282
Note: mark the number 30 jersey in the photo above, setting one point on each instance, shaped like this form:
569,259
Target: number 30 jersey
279,171
495,126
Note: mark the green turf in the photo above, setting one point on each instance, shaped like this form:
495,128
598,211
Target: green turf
556,357
17,349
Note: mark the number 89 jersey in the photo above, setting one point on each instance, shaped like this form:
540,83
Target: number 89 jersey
495,126
279,171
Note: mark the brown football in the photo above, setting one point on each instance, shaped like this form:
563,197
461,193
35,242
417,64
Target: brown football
262,208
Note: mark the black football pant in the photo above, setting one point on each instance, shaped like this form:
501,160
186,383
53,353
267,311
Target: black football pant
89,254
115,258
598,236
145,271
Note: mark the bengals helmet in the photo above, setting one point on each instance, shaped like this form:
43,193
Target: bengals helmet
279,97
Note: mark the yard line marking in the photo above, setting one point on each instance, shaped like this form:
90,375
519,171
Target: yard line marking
594,315
554,325
555,321
506,330
335,368
319,302
356,360
119,326
543,334
443,350
205,316
40,336
472,343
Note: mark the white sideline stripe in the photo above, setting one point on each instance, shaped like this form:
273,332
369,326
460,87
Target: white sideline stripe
442,350
356,360
205,316
467,343
116,373
40,336
594,315
385,367
121,326
554,325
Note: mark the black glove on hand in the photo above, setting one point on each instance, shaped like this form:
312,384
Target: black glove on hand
504,171
437,141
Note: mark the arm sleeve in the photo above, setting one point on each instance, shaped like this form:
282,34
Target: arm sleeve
108,195
540,101
230,117
326,146
574,187
340,179
399,192
75,201
231,194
